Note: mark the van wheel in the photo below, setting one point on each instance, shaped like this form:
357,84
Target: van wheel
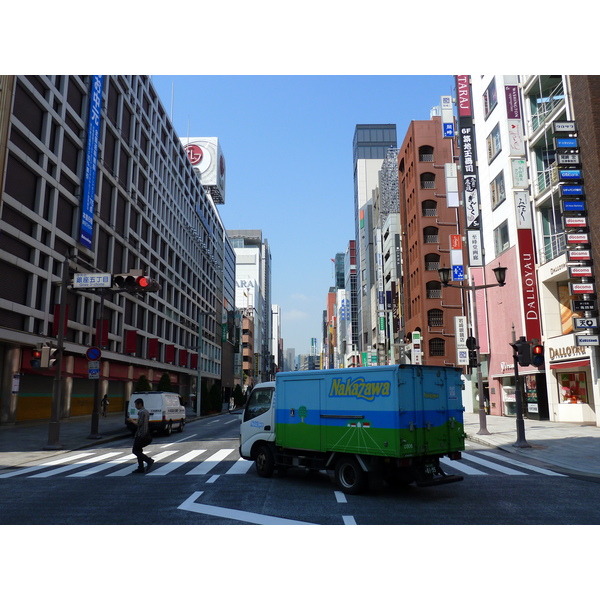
264,461
181,425
349,476
168,428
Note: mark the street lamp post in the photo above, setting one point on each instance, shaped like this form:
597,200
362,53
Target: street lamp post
500,273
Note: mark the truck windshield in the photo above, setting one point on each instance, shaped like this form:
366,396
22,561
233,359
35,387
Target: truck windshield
258,403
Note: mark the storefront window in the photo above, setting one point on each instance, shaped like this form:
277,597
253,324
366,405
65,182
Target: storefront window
573,388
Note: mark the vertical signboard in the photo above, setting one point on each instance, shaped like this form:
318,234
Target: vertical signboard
468,152
462,352
451,177
529,291
86,228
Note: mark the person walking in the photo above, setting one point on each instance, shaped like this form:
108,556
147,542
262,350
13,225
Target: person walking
104,403
142,437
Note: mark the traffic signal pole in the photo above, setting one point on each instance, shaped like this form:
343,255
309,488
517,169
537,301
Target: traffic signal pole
518,351
54,425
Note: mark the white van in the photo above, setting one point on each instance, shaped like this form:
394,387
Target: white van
165,410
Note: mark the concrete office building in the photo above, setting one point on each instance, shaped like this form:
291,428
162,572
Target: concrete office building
95,180
253,297
370,146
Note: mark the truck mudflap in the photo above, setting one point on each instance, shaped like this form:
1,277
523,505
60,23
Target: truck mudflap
432,474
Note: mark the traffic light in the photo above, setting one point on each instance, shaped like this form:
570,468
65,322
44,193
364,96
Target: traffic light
471,344
36,358
537,355
522,350
136,283
48,356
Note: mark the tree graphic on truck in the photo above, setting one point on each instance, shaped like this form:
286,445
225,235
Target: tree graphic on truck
302,412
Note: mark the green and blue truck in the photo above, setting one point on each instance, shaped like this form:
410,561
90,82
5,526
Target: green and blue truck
388,423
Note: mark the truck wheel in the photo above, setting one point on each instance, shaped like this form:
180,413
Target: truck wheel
168,428
181,425
349,476
264,461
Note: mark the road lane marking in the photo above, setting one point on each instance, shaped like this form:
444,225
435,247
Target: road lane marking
348,520
127,470
459,466
204,467
235,515
59,461
340,497
521,464
174,464
240,467
64,469
491,465
213,479
103,466
189,437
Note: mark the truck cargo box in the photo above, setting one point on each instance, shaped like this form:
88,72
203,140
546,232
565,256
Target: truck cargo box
393,411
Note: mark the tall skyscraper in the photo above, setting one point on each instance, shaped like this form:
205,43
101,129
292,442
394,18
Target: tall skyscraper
370,146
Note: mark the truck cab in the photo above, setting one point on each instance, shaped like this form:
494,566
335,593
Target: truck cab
258,420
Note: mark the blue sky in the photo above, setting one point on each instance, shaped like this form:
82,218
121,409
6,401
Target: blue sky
287,142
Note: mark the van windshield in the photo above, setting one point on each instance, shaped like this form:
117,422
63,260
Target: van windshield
258,403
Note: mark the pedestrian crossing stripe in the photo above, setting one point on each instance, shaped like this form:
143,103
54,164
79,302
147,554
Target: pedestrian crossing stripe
122,462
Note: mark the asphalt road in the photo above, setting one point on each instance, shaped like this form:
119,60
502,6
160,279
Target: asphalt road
199,479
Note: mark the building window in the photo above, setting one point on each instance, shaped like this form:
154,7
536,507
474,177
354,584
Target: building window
494,143
501,238
573,388
437,347
432,262
429,208
498,190
435,317
431,235
434,289
490,98
426,154
427,181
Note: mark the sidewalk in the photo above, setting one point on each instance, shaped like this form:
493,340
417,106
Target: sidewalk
571,448
24,442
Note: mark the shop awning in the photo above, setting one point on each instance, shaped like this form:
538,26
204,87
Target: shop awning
570,364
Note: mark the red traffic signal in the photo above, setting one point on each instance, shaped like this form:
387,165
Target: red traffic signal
36,359
134,283
537,355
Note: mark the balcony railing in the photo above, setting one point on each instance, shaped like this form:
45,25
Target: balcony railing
546,106
554,245
432,294
431,239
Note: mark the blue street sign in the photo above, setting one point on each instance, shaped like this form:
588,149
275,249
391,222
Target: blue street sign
448,130
458,273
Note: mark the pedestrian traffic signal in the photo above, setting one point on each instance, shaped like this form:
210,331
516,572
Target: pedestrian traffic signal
522,350
136,283
36,359
537,355
49,355
473,362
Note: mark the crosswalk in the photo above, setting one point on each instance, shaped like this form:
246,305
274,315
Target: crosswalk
204,461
